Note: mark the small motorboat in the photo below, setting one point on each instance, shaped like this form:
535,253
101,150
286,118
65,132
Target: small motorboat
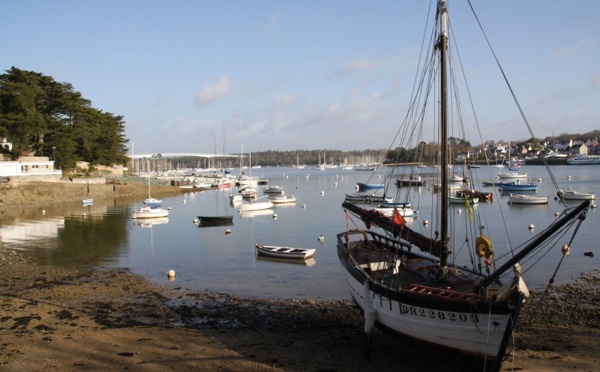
147,212
285,252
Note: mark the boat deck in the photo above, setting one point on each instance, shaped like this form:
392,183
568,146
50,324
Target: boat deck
415,275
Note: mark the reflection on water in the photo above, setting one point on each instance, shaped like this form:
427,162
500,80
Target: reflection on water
21,232
223,258
310,262
149,222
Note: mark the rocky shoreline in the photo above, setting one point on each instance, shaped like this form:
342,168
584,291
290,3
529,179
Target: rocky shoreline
33,194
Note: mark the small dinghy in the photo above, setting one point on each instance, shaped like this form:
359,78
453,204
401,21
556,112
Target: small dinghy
284,252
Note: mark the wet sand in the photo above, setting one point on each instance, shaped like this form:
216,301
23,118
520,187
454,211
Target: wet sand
77,319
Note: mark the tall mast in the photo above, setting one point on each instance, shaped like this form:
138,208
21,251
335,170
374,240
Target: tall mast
443,47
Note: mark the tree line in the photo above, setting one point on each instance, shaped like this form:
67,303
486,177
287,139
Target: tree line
42,117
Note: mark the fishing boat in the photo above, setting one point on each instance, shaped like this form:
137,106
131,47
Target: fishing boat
455,283
527,199
285,252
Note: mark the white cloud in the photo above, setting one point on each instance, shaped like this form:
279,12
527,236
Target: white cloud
355,65
213,92
567,51
276,18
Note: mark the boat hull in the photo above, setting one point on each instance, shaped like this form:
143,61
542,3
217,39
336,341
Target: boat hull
471,325
517,187
147,212
282,199
584,160
573,195
527,199
369,186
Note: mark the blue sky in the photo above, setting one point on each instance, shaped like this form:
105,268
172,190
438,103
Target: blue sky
287,75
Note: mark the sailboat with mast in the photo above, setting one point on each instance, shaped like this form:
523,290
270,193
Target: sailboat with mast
411,279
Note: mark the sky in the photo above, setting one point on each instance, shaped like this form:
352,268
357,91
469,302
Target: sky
238,75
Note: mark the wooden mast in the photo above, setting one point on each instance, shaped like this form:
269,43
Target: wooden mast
443,47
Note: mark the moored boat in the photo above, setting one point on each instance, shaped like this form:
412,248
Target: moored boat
273,189
285,252
282,199
575,195
412,181
513,186
527,199
147,212
369,186
152,203
216,220
583,159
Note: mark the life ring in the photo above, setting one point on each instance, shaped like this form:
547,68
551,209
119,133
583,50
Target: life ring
483,247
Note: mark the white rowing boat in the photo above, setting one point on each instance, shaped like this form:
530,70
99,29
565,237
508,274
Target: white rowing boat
284,252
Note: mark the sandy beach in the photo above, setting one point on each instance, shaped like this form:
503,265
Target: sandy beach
71,319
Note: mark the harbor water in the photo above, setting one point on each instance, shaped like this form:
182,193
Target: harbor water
224,259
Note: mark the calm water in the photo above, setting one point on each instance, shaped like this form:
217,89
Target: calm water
206,258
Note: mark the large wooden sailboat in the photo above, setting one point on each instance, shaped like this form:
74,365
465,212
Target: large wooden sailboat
412,280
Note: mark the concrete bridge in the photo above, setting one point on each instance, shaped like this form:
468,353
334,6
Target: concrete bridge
181,155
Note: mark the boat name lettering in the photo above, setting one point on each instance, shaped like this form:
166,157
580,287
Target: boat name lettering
441,315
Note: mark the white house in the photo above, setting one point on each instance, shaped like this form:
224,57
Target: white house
29,167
